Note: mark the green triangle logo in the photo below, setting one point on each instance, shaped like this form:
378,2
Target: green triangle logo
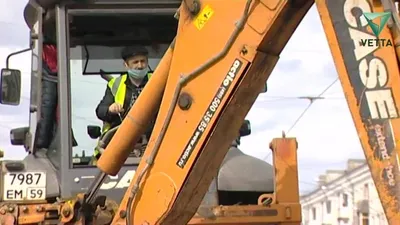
384,17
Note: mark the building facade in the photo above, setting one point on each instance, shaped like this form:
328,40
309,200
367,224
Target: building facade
344,197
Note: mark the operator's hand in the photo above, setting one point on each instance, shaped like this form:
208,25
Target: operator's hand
115,108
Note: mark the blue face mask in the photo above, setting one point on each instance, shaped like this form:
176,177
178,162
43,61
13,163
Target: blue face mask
137,74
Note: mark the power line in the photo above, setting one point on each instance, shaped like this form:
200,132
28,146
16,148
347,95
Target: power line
11,23
280,98
5,127
297,97
312,100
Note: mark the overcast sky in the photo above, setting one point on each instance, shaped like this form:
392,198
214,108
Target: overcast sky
326,135
14,36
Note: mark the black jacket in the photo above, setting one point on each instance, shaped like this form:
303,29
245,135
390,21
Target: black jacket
132,93
47,125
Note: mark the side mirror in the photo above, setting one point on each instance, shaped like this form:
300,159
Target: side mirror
10,87
245,129
265,89
94,131
18,135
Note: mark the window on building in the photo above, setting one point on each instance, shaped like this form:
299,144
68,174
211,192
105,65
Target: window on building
328,207
314,213
366,191
345,200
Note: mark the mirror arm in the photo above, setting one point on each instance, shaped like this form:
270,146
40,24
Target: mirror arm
87,59
13,54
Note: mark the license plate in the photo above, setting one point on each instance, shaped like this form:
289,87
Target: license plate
24,186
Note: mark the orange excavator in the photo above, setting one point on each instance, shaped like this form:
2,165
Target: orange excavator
220,56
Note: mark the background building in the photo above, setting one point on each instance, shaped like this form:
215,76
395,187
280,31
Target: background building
344,197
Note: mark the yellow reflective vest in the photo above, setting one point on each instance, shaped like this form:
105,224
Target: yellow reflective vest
118,90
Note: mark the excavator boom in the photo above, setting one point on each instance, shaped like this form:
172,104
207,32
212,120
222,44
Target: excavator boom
205,100
232,53
367,65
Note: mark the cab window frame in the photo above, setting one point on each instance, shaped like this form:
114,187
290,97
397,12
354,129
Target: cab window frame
73,42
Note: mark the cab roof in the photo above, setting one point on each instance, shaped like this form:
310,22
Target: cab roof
112,22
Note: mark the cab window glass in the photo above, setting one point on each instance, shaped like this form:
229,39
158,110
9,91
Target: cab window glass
88,88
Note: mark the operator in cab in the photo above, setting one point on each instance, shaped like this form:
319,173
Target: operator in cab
122,92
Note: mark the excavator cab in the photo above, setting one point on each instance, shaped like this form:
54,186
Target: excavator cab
75,48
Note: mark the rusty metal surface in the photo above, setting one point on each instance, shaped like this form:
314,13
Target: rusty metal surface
27,214
252,214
